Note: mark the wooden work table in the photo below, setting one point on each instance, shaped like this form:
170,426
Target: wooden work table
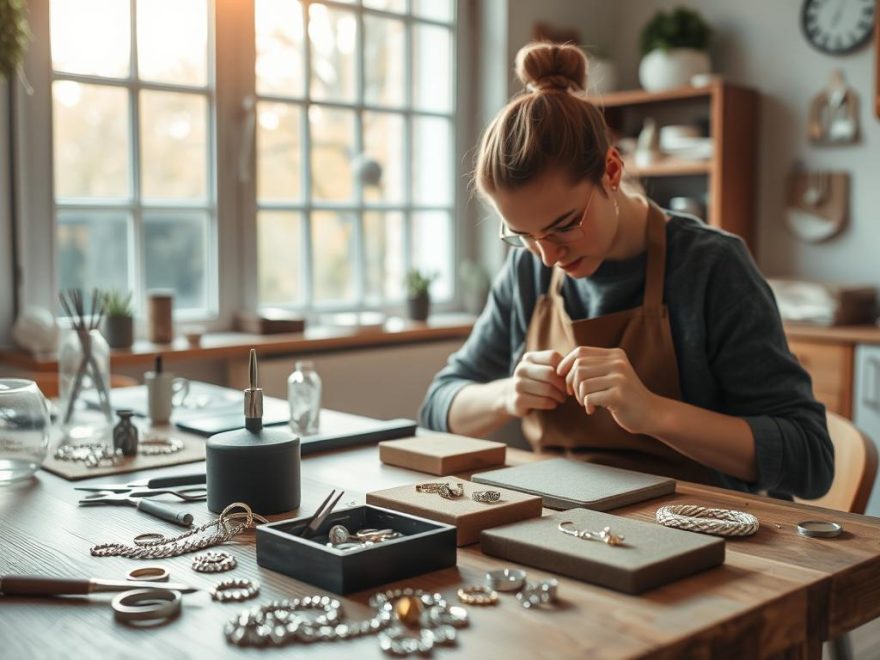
776,594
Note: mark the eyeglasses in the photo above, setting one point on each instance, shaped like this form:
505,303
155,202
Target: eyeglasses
560,236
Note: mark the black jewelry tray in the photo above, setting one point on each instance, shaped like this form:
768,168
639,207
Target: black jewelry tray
424,547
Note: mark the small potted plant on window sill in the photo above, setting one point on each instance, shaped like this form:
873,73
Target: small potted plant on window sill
418,294
674,47
119,322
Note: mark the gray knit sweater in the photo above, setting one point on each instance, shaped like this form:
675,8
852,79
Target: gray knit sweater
733,357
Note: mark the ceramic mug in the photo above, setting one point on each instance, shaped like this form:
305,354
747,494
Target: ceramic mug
164,391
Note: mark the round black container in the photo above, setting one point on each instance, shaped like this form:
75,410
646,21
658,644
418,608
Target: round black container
259,468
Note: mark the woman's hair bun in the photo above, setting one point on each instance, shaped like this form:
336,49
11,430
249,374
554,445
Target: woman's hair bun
552,67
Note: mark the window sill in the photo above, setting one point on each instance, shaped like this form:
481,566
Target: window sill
225,345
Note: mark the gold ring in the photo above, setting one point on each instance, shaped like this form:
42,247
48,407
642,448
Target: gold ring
477,595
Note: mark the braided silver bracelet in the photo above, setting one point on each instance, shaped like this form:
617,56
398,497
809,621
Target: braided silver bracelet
720,522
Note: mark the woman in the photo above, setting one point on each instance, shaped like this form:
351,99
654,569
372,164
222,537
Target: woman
620,333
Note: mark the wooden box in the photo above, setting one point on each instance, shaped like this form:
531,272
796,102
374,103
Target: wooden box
442,453
468,516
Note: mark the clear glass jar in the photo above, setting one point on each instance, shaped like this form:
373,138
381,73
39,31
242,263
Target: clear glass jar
84,411
304,397
24,428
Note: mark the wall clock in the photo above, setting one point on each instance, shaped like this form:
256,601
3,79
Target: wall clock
837,27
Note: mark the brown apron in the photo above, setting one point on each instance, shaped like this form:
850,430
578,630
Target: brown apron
644,333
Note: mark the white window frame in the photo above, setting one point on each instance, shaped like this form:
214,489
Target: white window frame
233,255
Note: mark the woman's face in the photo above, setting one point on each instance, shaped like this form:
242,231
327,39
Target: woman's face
546,213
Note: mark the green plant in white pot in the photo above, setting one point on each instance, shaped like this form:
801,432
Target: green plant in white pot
418,294
674,47
119,319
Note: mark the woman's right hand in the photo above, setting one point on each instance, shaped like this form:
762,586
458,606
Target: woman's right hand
535,385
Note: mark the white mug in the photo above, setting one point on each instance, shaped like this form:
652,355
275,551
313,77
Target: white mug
164,391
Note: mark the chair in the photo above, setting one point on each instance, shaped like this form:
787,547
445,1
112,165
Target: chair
855,468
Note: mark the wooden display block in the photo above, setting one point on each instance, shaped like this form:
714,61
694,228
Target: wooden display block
468,516
442,453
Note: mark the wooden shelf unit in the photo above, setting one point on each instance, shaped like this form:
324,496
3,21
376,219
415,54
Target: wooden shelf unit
730,174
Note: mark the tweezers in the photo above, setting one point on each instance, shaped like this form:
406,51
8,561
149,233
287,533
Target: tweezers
320,515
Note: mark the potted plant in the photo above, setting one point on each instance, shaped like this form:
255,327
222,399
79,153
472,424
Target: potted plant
14,36
119,321
418,294
674,48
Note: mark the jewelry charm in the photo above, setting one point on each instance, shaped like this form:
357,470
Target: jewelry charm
605,535
537,594
721,522
506,579
213,562
478,595
235,589
486,496
338,534
450,493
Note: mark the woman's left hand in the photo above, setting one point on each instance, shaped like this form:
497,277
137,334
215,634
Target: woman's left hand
604,377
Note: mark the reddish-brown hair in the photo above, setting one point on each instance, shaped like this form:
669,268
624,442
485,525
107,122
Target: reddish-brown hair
550,125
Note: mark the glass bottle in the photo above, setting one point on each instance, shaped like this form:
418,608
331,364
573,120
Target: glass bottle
24,428
304,397
84,411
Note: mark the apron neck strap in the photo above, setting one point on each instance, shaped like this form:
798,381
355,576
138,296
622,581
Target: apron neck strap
655,267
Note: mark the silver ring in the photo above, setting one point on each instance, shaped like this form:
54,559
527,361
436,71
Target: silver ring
146,604
150,538
148,574
819,529
506,579
235,589
338,534
486,496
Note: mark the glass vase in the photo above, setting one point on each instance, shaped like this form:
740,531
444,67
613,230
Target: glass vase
84,412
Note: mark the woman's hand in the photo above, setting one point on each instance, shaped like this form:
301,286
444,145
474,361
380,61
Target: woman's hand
604,377
535,384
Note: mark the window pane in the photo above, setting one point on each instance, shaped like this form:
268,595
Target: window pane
398,6
432,68
172,41
91,37
279,257
383,237
383,61
279,39
432,249
91,143
174,145
383,146
333,37
332,149
93,249
278,152
432,169
333,246
437,10
175,256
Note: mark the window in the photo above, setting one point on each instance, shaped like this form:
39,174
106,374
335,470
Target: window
132,125
352,128
354,136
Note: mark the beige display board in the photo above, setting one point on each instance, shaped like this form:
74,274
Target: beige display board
442,453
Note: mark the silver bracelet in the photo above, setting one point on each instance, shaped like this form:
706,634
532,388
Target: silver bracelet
146,604
235,589
720,522
213,562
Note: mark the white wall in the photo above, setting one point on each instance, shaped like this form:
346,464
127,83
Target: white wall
759,44
6,266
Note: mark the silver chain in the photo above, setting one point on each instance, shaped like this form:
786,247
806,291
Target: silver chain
159,547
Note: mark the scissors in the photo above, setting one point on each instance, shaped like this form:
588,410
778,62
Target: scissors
193,493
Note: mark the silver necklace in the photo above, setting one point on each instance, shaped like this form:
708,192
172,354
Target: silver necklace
157,546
